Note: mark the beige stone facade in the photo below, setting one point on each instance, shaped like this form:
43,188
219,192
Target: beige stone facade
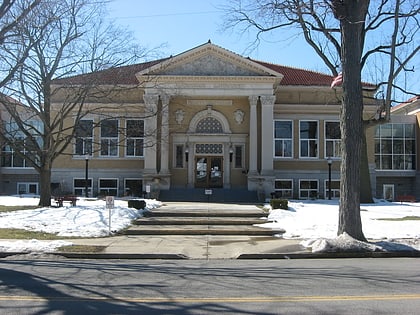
214,120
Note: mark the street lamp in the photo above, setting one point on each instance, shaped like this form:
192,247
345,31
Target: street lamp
86,175
329,160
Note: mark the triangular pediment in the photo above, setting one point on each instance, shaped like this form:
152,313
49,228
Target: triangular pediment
209,60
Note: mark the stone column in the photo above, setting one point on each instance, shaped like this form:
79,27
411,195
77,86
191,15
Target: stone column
150,126
164,143
267,105
253,135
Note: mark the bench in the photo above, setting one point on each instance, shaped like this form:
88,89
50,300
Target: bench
406,198
60,200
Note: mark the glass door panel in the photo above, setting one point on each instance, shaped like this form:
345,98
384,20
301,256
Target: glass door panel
209,172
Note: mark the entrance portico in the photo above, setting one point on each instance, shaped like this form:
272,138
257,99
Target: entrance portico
211,104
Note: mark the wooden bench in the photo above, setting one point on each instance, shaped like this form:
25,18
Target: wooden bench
406,198
60,200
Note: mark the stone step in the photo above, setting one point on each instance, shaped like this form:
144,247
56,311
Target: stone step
194,230
198,221
205,213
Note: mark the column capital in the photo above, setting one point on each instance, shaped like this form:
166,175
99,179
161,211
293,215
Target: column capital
253,99
267,99
151,99
165,98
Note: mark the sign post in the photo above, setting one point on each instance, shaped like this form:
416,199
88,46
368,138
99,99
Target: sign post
208,193
109,205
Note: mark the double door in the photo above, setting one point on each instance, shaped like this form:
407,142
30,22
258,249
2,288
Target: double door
209,172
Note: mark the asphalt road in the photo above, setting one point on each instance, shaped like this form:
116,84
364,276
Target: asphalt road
322,286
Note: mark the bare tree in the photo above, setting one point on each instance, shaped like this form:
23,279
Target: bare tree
350,36
63,38
11,14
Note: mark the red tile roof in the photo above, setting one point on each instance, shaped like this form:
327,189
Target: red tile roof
118,75
126,75
295,76
407,102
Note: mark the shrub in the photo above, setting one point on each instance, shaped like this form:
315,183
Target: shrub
279,204
137,204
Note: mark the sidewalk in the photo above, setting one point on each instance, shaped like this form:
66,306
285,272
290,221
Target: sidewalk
192,246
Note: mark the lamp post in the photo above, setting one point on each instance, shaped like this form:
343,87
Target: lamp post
86,175
329,160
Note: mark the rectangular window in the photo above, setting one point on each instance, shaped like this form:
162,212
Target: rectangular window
332,139
109,138
308,133
79,186
134,138
308,189
335,189
179,156
283,138
84,137
27,188
283,188
395,147
133,187
238,156
108,187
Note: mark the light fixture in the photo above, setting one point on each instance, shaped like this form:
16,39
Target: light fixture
231,153
187,150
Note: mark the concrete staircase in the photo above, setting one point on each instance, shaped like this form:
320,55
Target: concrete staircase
223,195
202,219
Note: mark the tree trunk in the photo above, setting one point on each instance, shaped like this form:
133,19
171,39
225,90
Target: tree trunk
45,186
365,184
352,15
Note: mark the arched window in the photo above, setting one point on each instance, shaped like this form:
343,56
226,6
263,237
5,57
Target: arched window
209,125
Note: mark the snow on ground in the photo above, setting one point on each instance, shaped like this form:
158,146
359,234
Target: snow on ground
316,222
89,218
313,222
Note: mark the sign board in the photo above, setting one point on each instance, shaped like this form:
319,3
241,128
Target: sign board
109,202
208,192
148,189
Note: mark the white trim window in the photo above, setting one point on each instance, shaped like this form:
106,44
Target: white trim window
308,189
335,189
79,186
134,138
133,187
395,147
332,139
308,138
283,188
109,137
84,137
108,186
27,188
283,138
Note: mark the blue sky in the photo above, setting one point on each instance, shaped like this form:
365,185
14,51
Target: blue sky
185,24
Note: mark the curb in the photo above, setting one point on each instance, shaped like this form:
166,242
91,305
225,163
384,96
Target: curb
400,254
343,255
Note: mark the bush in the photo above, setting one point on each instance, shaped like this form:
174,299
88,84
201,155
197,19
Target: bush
279,204
137,204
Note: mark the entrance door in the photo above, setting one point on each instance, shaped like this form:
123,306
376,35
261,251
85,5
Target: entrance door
209,172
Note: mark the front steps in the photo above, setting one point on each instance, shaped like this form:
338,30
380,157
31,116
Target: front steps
202,219
219,195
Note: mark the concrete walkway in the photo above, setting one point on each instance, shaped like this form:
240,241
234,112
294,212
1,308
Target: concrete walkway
184,239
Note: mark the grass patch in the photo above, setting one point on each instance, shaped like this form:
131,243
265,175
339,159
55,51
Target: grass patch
16,208
407,218
82,249
27,235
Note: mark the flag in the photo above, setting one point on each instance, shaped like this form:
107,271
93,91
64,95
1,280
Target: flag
337,80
